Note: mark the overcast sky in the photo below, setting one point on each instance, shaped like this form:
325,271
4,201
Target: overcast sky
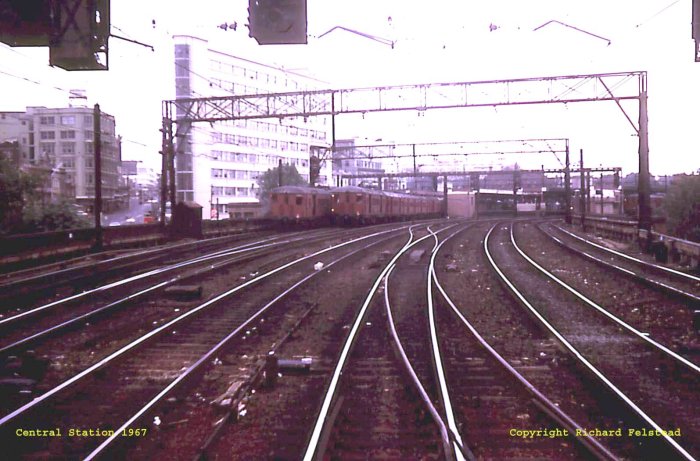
437,41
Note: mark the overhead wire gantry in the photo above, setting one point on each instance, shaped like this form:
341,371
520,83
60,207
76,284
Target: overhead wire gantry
614,87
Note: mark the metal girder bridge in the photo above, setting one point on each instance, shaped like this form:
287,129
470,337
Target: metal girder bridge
615,87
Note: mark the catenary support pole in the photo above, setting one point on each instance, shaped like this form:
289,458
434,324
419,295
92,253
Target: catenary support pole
97,148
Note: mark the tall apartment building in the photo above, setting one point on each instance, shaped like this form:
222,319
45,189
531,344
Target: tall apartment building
217,164
61,139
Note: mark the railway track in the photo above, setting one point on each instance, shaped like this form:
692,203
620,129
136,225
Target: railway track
448,346
162,359
368,407
25,328
632,368
79,274
682,285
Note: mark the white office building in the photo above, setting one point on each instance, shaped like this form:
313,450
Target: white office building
217,164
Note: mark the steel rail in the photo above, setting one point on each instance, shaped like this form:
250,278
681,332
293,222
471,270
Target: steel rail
5,419
437,360
151,273
11,279
435,415
552,410
602,310
451,435
335,379
631,258
208,355
119,302
578,355
654,283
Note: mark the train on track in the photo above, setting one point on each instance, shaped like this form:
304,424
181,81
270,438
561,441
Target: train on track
349,205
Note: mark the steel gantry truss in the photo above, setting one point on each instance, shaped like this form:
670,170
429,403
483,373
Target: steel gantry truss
615,87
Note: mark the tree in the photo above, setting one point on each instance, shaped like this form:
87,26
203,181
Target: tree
22,204
53,216
683,208
271,179
16,189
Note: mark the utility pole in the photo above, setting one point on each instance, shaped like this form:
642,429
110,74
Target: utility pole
589,209
444,196
415,170
171,169
279,173
602,211
333,153
583,194
540,206
644,185
567,187
164,173
97,148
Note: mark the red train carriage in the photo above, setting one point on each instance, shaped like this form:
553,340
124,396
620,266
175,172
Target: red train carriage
351,204
300,204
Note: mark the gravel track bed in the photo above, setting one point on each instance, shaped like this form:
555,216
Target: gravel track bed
511,331
668,393
666,319
134,378
278,419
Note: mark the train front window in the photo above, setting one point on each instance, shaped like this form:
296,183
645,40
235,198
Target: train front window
358,198
299,200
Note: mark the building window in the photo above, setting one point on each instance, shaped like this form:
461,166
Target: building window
48,135
88,148
47,120
68,148
68,120
48,148
67,134
87,120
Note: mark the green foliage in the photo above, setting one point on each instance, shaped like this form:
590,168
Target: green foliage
270,179
683,208
16,190
53,216
22,209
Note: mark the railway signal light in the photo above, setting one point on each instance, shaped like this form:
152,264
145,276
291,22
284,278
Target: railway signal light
277,22
76,31
26,22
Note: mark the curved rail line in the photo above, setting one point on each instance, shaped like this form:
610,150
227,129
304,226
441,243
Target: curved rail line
690,297
210,354
145,275
631,258
101,363
602,310
549,407
313,444
579,356
437,358
249,250
449,432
